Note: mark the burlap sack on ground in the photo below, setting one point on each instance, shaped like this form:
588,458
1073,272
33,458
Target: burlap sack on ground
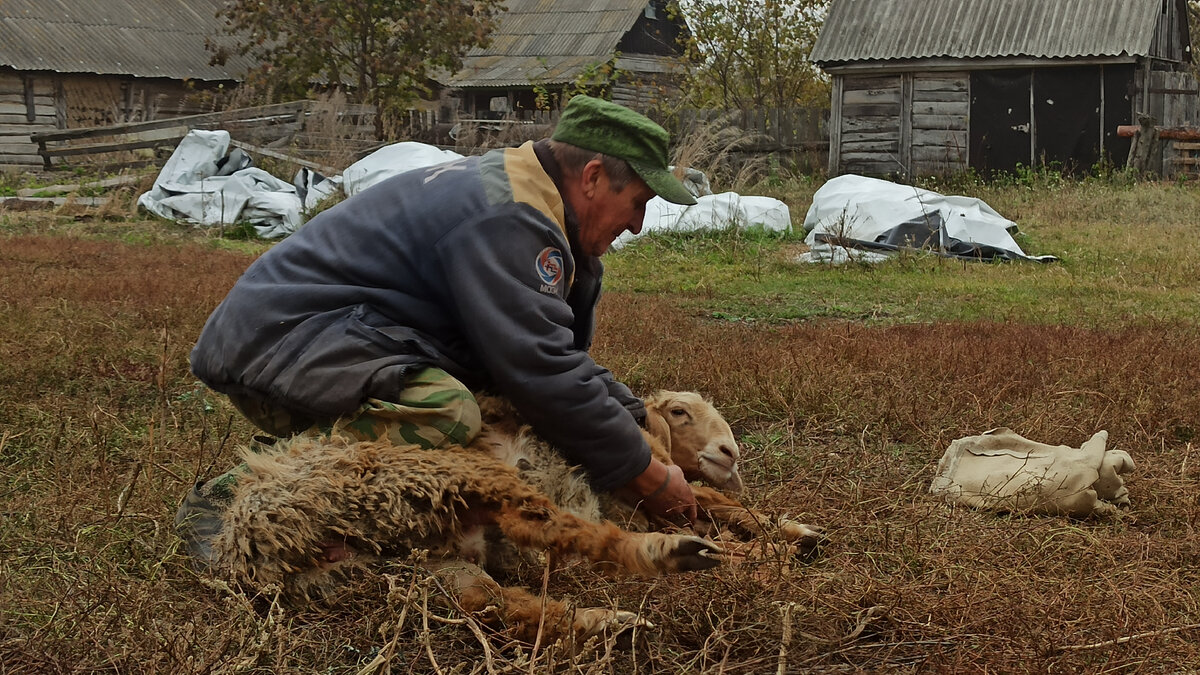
1000,470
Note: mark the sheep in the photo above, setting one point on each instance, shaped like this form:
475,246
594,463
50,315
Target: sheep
385,500
682,428
474,508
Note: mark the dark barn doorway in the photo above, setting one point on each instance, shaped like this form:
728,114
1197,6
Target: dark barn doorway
1000,121
1049,117
1066,118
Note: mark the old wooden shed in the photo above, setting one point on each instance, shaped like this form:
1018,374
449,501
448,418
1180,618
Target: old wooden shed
936,86
81,63
547,45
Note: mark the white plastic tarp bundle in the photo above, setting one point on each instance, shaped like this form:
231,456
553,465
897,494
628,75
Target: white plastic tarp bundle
197,186
713,212
190,189
392,160
860,218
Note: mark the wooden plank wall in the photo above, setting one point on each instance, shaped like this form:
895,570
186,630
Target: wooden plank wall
61,101
642,94
941,105
901,125
1174,98
20,96
1174,101
869,125
1167,43
101,100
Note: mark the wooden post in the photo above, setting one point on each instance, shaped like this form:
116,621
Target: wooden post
30,100
45,155
906,130
835,128
1145,147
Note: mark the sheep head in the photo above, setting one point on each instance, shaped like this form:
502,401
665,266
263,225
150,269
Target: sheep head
697,438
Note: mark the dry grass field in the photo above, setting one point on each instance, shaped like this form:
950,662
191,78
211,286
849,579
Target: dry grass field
845,386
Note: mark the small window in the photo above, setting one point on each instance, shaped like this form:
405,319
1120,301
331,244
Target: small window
650,13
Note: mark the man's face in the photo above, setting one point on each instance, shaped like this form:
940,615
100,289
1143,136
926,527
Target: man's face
607,212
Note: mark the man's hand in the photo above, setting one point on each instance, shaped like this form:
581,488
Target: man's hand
662,491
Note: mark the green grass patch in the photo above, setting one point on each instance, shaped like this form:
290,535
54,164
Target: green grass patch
1125,256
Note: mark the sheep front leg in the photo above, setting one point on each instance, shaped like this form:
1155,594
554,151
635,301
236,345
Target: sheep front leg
538,524
747,522
523,613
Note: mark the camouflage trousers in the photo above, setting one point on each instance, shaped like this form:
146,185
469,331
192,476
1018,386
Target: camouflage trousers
433,411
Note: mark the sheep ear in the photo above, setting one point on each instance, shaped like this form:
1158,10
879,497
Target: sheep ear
657,426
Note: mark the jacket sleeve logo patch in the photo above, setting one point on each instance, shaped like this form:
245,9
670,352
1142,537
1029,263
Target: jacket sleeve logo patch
550,268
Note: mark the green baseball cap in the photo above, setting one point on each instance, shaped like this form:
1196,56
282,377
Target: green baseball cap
605,127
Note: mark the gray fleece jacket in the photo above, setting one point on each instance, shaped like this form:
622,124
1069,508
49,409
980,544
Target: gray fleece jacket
468,266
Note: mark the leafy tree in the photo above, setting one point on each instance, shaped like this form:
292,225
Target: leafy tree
595,79
381,51
754,53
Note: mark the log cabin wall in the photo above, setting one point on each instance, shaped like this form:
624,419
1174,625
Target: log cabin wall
867,118
32,102
27,104
901,124
941,105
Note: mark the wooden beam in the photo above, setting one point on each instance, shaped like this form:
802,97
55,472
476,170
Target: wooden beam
50,202
75,187
327,170
96,148
260,113
1169,133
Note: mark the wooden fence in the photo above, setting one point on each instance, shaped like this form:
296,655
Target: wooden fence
306,132
766,129
793,137
262,129
798,134
261,123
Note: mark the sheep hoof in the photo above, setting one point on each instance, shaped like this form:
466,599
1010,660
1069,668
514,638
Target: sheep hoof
692,554
593,621
806,538
800,533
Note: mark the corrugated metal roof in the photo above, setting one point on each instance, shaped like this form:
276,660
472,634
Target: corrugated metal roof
548,41
144,38
868,30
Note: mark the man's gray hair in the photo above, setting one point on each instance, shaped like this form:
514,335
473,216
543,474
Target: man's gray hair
572,159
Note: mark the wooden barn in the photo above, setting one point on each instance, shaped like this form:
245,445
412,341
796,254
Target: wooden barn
925,87
83,63
546,45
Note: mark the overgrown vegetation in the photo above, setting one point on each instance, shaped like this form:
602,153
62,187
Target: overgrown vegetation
381,52
753,53
845,385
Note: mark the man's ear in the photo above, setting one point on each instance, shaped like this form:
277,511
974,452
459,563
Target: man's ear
589,178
